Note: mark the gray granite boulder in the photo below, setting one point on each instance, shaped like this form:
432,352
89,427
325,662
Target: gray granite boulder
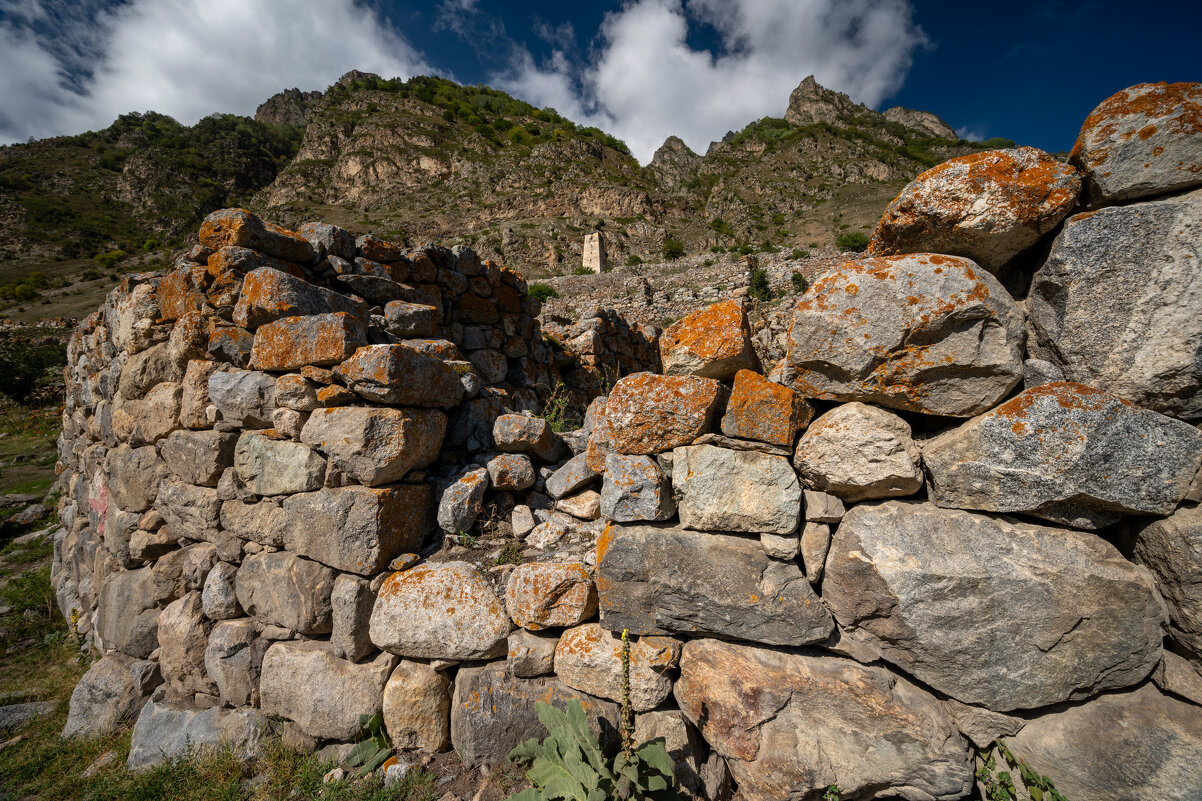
792,725
1067,453
635,489
857,452
168,731
282,589
1172,549
1115,305
661,580
376,446
927,333
111,692
990,611
719,489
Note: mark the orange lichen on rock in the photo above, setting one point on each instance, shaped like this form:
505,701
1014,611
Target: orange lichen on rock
238,227
762,410
987,206
714,342
293,342
649,413
540,595
1144,140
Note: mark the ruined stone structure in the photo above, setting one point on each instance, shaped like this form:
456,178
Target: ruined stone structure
298,470
594,253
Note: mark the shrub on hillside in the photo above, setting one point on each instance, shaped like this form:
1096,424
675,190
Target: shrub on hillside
673,249
854,241
541,292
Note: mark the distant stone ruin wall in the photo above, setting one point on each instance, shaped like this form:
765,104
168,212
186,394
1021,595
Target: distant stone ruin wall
855,567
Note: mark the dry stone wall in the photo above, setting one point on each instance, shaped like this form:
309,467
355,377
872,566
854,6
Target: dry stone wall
297,491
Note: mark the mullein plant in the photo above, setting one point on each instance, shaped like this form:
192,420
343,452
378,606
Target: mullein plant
570,764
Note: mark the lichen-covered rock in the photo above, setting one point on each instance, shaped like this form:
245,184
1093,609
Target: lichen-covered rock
417,707
245,398
320,339
1140,745
1145,140
762,410
270,465
411,319
282,589
531,654
166,731
1115,305
134,476
269,295
793,725
492,712
856,452
574,475
589,658
522,433
1172,549
443,611
649,414
357,529
635,489
1065,452
511,472
376,446
540,595
328,240
714,342
147,420
219,597
190,511
401,375
194,399
926,333
997,633
240,228
351,602
199,457
718,489
460,503
231,344
126,615
988,207
308,684
233,659
263,522
183,634
110,693
718,584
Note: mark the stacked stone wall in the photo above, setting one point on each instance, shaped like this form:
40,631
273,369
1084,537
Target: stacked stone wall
909,537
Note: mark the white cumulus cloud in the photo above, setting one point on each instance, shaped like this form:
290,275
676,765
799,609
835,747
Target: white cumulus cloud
185,58
644,81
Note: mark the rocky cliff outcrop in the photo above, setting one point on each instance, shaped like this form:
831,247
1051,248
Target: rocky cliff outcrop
298,486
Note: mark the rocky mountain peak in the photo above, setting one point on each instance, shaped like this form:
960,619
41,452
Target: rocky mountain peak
674,163
289,107
923,122
810,103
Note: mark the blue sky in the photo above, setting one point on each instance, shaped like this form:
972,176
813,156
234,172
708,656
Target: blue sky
641,69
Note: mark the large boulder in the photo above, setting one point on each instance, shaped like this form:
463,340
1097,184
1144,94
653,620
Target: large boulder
714,342
245,398
719,489
717,584
1140,745
269,295
183,634
126,616
134,475
376,446
281,589
318,339
856,452
191,511
492,712
401,375
997,632
793,725
648,413
589,658
443,611
988,207
240,228
462,501
417,707
1067,453
762,410
1145,140
1115,305
927,333
269,464
635,489
111,692
1172,549
357,529
166,731
540,595
307,683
